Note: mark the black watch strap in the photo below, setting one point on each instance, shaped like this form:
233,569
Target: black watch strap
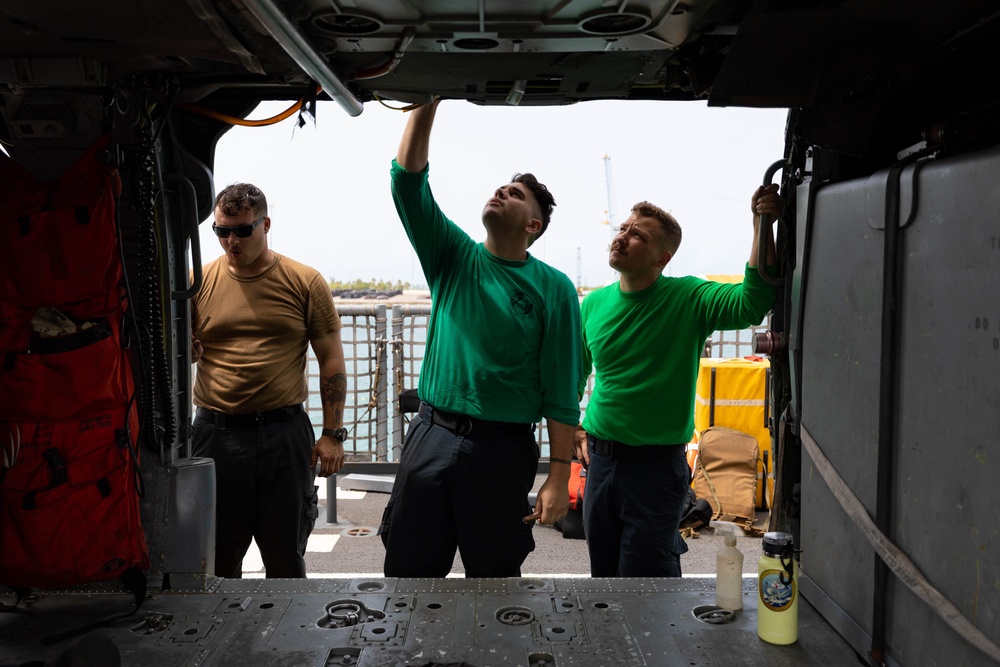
338,434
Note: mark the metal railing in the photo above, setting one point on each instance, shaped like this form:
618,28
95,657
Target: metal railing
383,358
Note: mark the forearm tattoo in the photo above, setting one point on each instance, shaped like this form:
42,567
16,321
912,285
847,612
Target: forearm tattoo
334,390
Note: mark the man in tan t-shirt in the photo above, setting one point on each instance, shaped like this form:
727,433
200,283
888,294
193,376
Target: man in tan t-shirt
253,320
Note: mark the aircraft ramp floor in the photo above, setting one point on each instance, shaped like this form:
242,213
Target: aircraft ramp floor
346,613
529,622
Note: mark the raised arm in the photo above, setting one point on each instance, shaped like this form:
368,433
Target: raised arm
765,200
415,144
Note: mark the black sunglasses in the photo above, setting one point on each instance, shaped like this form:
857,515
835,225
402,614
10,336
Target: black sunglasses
242,232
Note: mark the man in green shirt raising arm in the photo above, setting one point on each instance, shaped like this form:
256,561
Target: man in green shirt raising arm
503,351
643,337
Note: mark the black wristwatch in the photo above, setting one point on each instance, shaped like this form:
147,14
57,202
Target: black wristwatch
338,434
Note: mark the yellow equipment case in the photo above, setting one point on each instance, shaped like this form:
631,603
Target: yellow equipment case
733,393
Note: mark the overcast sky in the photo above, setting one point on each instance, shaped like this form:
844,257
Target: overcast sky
328,185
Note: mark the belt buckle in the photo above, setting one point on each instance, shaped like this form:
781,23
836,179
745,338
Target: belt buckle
258,419
463,426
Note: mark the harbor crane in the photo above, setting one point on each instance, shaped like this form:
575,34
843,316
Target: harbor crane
609,218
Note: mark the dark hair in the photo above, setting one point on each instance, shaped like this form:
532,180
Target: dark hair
668,224
546,202
239,197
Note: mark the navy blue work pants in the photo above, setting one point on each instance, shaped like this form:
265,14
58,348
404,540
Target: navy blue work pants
265,491
466,492
632,513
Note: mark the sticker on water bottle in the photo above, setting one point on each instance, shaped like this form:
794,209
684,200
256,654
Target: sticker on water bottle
776,589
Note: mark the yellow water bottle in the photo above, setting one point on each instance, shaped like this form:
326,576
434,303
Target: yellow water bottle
777,591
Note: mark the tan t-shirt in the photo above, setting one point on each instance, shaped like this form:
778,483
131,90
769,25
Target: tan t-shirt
257,335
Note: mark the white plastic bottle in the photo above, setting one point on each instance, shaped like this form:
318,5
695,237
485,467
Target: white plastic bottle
728,568
778,591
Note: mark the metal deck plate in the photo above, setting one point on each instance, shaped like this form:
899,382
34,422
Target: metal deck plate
478,622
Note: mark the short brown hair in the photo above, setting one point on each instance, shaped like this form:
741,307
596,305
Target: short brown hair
668,224
239,197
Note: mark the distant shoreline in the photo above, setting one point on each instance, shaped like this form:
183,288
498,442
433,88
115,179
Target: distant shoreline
409,296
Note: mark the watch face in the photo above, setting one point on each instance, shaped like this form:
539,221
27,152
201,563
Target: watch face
339,434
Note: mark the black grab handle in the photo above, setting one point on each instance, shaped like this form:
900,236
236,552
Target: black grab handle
761,238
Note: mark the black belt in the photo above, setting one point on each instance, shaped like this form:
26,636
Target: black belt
226,422
465,425
619,450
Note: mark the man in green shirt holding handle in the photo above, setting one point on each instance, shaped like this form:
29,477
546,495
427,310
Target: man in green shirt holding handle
643,336
503,351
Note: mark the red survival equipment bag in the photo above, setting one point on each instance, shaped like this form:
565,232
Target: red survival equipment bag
70,481
69,503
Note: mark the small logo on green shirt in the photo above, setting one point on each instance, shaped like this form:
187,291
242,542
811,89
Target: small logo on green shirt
520,304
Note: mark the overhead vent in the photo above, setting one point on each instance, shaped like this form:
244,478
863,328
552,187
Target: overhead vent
610,22
343,23
476,41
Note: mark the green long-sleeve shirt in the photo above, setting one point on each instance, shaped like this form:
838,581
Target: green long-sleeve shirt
644,348
503,338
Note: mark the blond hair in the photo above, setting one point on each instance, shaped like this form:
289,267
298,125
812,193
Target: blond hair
668,224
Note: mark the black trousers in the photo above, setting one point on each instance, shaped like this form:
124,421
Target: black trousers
632,511
265,491
468,492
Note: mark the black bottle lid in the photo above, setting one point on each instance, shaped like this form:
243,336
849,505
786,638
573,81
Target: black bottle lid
776,544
